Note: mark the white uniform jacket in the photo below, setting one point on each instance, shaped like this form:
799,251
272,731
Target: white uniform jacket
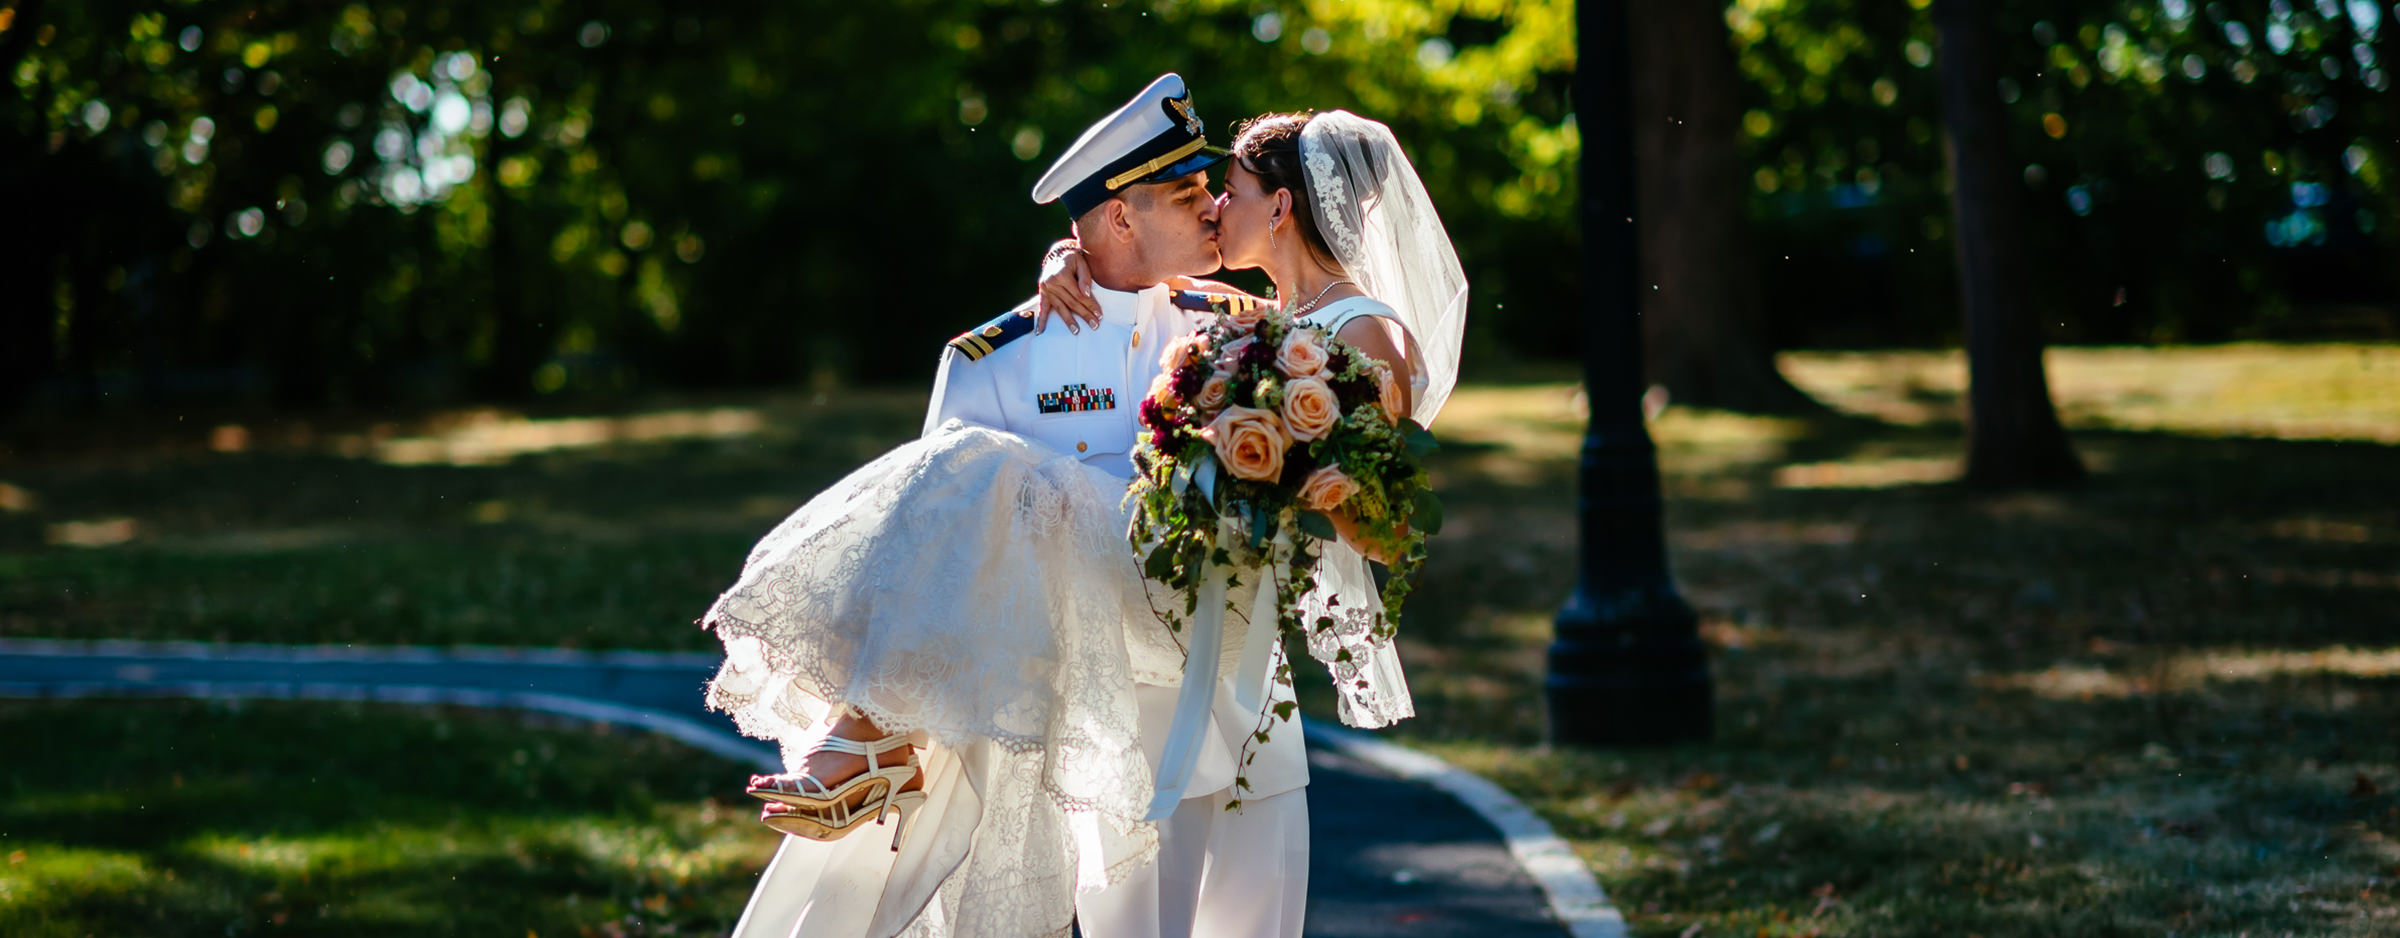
1078,393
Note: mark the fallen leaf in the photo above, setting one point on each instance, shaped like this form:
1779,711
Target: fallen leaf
2363,787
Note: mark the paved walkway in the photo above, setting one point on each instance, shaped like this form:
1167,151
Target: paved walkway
1389,858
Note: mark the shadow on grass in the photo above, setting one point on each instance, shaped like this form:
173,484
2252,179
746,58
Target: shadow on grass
2137,705
605,543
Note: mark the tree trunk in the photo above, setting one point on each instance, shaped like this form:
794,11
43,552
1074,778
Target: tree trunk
27,311
2013,436
1704,327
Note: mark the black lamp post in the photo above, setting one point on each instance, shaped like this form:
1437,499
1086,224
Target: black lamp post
1627,666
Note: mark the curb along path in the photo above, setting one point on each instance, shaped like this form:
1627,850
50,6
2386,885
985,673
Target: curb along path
1403,844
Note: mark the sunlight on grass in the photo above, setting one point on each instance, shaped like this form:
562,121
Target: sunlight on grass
41,874
489,437
102,532
293,817
2152,704
2160,701
2293,392
2189,671
1867,474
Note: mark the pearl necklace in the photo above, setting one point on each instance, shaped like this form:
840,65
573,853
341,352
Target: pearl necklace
1312,301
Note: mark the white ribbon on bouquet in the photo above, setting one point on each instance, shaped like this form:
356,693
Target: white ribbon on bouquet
1204,651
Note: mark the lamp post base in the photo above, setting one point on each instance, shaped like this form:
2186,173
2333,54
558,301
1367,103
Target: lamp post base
1628,669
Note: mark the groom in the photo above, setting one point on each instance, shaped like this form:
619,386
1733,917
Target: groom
1136,188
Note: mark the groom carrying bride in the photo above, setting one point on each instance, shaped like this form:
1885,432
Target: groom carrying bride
1136,187
1019,807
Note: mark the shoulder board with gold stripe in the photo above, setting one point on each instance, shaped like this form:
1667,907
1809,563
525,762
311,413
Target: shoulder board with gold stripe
1219,303
980,341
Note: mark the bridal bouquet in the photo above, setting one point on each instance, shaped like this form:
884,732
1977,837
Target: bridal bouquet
1263,436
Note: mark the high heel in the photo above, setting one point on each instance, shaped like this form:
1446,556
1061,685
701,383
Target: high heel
838,820
805,790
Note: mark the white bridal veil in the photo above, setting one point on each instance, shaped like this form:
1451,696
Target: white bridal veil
1373,210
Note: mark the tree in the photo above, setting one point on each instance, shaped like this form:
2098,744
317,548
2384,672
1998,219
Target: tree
330,203
2013,435
1704,328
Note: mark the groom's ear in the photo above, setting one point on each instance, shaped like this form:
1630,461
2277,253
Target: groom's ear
1116,220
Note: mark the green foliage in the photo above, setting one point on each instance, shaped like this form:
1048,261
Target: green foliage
420,200
376,201
2171,152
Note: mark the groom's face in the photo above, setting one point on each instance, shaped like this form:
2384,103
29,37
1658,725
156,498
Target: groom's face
1175,226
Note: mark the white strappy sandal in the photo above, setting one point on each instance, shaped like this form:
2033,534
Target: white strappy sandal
802,789
837,820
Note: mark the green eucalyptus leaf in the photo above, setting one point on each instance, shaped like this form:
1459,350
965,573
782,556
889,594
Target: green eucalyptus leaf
1318,525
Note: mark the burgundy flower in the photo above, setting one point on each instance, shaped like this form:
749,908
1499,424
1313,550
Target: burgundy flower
1188,381
1259,355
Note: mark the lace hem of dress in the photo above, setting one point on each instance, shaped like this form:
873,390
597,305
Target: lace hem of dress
1014,624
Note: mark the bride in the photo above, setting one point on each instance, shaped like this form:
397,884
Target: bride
971,595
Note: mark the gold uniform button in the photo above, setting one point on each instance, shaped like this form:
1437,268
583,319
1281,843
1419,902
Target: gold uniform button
1081,446
1137,338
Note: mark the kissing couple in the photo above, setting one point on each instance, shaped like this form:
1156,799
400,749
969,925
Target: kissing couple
957,649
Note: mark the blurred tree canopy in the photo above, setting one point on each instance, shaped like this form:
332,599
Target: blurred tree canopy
2193,171
381,201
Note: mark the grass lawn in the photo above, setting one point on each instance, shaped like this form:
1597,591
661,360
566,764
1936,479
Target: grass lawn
189,818
2164,701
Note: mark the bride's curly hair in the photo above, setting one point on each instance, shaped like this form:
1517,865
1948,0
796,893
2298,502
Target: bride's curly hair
1269,146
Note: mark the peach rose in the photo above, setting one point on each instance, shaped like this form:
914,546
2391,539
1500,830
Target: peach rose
1310,408
1212,392
1303,354
1247,318
1162,390
1326,489
1387,388
1250,442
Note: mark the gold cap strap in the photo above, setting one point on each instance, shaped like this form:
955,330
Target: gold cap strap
1119,180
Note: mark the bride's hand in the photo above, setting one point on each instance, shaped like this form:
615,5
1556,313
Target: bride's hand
1065,289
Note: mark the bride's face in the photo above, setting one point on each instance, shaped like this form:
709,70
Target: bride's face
1242,214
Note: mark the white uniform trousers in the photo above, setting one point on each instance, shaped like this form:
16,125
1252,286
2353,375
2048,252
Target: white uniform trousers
1220,874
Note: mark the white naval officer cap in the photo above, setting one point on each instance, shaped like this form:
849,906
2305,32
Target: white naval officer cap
1154,138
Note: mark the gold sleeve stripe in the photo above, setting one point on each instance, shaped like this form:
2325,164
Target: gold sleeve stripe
973,345
1119,180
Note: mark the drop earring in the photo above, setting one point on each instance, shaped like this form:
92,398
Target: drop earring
1270,234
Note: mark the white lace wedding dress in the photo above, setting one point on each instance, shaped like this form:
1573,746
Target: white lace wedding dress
976,588
972,587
